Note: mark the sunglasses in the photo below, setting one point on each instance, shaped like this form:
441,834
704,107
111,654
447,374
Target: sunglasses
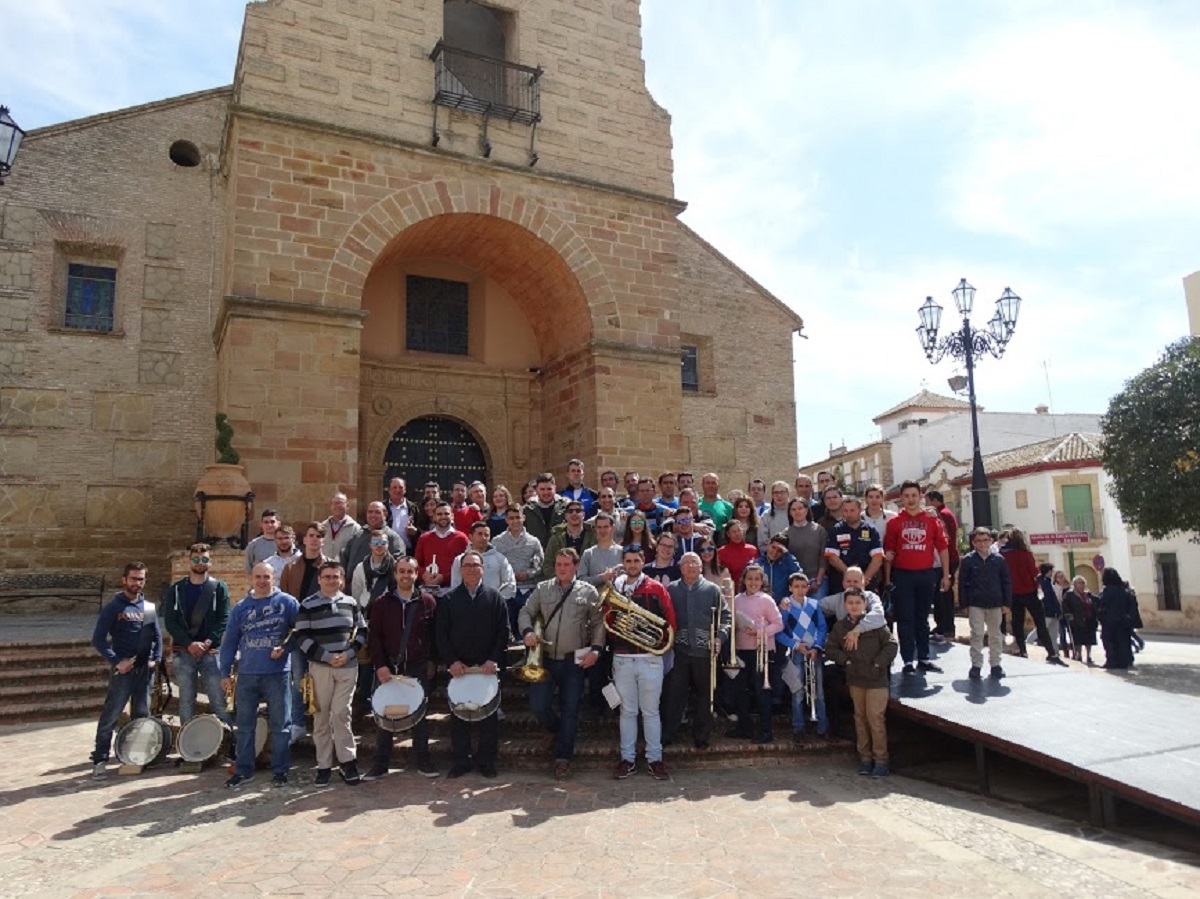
574,511
200,560
708,549
379,543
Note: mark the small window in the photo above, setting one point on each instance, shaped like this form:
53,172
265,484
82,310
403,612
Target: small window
1168,582
91,293
689,361
436,312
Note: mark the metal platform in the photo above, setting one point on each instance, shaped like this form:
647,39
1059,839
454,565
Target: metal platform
1122,741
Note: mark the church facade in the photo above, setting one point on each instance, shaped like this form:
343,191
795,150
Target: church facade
425,238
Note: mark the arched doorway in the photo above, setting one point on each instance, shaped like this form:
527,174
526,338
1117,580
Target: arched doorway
433,448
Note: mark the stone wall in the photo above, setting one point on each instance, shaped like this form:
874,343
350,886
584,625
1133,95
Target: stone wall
366,66
102,436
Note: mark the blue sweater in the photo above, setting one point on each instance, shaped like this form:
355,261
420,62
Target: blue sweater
118,633
813,635
777,574
255,627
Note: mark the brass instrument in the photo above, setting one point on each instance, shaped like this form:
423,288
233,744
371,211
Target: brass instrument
810,686
735,663
231,692
532,671
626,619
712,660
307,687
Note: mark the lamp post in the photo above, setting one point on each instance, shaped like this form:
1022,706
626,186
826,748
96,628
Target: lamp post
968,343
10,142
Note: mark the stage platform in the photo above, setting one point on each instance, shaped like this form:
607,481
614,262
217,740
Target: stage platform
1123,741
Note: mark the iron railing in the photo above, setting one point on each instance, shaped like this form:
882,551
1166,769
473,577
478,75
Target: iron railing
486,85
1092,522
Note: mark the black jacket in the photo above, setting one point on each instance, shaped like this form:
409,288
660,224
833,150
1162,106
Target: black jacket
470,629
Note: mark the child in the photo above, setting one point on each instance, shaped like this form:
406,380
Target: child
805,622
985,591
757,618
868,676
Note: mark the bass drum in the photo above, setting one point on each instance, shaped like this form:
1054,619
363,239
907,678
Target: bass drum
474,697
144,742
398,705
203,739
262,741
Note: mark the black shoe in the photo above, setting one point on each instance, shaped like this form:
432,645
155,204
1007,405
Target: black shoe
376,773
702,744
976,673
238,780
350,773
908,669
488,770
458,771
1057,660
764,739
1022,654
323,777
997,672
929,666
425,768
279,780
736,733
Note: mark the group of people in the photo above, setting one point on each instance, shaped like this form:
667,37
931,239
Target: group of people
668,600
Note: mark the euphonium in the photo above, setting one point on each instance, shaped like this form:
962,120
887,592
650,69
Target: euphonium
626,619
532,672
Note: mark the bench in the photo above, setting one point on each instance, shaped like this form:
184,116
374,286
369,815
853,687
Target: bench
37,589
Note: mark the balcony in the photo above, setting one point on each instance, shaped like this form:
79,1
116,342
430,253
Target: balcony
1092,522
491,87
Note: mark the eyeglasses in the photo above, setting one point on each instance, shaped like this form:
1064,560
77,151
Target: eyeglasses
200,560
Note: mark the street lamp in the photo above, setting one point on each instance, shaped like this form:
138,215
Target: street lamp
967,343
10,141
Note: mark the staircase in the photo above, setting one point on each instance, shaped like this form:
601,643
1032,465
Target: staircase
54,679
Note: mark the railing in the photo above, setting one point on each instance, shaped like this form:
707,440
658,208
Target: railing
486,85
1092,522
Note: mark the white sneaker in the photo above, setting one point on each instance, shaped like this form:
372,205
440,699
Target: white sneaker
298,732
100,770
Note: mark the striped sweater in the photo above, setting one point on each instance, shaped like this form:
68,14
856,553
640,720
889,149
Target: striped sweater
324,625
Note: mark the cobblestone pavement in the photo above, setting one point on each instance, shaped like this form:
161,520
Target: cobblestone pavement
770,831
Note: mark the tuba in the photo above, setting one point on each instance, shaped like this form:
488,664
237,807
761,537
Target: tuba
532,672
626,619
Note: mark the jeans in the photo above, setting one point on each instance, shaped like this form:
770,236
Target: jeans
133,687
251,690
515,603
190,670
911,599
568,677
800,705
295,699
639,681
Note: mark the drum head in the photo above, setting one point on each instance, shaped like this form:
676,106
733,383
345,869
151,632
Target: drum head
474,696
143,741
202,739
262,738
398,705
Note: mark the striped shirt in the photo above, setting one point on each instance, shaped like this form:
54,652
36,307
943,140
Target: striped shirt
324,625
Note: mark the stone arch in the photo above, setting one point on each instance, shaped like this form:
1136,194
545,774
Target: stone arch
445,216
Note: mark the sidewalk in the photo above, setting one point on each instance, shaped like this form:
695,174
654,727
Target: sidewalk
741,832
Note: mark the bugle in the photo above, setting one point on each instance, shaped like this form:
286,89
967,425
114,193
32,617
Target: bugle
763,656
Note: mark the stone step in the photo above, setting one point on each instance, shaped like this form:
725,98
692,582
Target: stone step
75,651
90,683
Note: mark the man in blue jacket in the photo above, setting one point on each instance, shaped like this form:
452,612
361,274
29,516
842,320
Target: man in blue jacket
985,591
258,628
128,636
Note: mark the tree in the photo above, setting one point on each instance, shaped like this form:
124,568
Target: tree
1152,444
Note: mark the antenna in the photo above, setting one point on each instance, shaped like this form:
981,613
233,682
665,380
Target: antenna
1050,395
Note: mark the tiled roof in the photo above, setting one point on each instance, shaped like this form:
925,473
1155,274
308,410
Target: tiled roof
926,399
1074,447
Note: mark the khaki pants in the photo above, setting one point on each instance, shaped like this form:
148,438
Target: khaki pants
988,621
870,709
334,688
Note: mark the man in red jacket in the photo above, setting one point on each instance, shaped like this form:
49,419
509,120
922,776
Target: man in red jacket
912,540
437,549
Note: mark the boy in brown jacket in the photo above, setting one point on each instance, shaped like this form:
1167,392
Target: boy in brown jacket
867,659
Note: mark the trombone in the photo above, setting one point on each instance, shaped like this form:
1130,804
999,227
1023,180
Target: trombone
712,660
810,686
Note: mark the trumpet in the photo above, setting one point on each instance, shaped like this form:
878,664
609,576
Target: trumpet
626,619
231,692
532,671
810,686
735,663
308,693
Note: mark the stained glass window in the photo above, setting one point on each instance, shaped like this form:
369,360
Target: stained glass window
91,292
437,315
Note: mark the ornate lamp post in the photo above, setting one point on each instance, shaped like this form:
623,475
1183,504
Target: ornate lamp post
10,141
967,343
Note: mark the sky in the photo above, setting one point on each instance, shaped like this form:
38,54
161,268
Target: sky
852,157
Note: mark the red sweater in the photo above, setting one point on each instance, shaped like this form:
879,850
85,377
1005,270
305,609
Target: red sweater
444,549
1023,569
650,595
735,557
915,539
464,517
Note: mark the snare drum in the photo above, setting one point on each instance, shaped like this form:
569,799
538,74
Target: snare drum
398,705
144,741
204,739
474,697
